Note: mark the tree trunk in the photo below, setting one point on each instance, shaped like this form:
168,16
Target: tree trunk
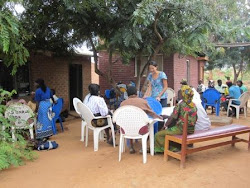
210,77
108,76
138,73
237,73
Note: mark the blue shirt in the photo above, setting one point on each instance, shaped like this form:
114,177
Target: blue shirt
41,96
157,85
234,92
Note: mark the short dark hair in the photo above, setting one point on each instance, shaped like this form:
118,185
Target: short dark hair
153,63
94,89
240,82
41,84
131,90
229,83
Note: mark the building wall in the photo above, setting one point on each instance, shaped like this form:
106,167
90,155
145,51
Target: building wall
55,72
168,68
180,70
94,76
121,72
174,66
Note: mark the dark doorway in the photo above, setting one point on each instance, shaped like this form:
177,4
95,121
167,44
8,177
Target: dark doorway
19,81
75,81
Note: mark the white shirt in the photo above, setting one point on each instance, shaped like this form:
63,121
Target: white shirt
221,88
96,104
203,122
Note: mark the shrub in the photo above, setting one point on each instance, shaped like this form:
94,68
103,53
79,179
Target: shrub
11,152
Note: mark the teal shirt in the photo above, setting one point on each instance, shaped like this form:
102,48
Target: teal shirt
244,89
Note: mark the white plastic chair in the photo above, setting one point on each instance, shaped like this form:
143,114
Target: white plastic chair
83,124
131,119
88,116
243,104
171,95
22,114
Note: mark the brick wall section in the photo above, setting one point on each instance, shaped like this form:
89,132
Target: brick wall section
174,66
55,72
121,72
168,68
180,70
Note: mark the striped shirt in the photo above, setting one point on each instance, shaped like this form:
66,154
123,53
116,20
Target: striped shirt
96,105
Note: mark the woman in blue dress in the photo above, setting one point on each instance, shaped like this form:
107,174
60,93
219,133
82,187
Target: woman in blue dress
157,84
44,117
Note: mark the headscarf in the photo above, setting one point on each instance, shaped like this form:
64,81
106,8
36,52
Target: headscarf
187,94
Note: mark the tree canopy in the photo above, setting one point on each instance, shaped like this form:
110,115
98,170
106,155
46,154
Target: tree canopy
12,37
234,27
134,28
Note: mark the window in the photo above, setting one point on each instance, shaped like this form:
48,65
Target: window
158,59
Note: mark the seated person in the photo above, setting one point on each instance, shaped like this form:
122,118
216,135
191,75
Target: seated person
134,100
211,84
98,107
15,99
203,122
201,87
242,87
234,93
32,102
222,88
179,96
175,123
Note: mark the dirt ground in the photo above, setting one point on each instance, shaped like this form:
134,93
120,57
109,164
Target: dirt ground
74,165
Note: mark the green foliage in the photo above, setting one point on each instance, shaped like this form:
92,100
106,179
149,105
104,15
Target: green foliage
233,27
11,153
12,39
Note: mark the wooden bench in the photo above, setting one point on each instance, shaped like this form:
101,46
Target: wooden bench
201,136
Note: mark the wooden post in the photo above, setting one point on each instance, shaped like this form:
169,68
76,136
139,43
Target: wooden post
233,138
184,142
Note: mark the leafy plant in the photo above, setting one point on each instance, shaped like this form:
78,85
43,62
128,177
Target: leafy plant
11,152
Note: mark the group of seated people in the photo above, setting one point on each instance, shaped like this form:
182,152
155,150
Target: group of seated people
227,91
190,104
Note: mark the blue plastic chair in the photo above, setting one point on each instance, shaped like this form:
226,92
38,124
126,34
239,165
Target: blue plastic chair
211,97
156,107
107,93
57,108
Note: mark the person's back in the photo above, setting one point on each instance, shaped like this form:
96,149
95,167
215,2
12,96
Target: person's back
41,95
234,92
138,102
96,105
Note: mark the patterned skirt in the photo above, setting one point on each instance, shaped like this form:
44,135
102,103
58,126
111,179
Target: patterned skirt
44,121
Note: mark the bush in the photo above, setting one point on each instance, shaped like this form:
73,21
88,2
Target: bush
11,152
